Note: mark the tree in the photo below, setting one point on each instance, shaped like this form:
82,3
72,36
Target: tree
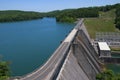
4,70
117,20
118,25
71,15
108,75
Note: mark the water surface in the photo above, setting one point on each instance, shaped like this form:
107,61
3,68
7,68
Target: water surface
28,44
114,67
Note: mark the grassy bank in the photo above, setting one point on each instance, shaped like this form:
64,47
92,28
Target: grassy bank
115,49
104,23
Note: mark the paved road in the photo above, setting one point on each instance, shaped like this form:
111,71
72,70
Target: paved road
49,68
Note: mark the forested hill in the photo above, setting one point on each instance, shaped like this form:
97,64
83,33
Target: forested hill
15,15
70,15
67,15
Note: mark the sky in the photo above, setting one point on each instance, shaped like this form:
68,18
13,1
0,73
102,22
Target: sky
50,5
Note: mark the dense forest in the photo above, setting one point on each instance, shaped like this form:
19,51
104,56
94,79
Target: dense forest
14,15
67,15
117,20
70,15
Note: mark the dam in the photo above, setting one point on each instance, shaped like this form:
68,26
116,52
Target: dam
74,59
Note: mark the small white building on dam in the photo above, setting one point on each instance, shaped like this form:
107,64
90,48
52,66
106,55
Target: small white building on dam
104,50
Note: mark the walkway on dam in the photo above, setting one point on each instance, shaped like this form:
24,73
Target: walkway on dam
73,59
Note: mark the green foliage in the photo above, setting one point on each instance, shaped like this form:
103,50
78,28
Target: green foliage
118,25
52,14
86,12
62,16
10,16
65,19
67,15
70,15
117,76
104,23
4,70
99,76
117,20
4,78
106,8
108,75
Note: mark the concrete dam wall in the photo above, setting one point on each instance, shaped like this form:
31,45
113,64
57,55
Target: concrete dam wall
82,60
71,70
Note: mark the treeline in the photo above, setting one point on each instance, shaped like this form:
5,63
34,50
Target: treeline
70,15
117,20
67,15
14,15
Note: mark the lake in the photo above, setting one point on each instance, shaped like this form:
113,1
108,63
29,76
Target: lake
27,45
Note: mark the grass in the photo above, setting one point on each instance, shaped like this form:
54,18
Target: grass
115,49
104,23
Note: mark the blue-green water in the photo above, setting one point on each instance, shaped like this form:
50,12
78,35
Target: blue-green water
116,55
114,67
28,44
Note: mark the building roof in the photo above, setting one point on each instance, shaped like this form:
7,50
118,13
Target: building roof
103,46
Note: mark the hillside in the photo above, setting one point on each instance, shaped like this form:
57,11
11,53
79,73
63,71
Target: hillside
15,15
66,15
104,23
